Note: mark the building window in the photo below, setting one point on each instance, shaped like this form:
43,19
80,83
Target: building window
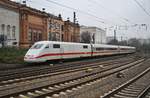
49,36
8,31
50,25
62,27
62,37
3,28
54,36
34,35
55,25
58,26
14,32
39,35
30,35
57,36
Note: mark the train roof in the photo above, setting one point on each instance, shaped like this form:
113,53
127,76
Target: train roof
112,46
95,45
105,46
127,47
57,42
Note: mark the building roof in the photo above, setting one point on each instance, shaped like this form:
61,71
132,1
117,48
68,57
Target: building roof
91,27
9,5
18,6
71,23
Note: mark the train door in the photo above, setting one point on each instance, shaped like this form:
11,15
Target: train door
62,51
56,51
119,49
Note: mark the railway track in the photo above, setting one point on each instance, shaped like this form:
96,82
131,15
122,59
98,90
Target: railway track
136,87
7,67
38,89
86,67
28,72
146,93
83,68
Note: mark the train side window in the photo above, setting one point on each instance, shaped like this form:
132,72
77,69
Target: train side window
56,46
47,46
111,48
37,46
98,49
85,46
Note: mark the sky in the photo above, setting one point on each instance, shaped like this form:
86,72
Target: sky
130,18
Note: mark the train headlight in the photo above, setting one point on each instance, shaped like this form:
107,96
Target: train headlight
30,56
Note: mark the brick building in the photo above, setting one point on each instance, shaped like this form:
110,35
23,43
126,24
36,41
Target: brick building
33,24
71,32
23,25
55,26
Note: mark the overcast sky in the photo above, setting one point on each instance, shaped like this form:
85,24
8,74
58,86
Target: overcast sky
120,14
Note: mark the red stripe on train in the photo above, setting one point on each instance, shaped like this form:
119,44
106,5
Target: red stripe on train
60,54
75,53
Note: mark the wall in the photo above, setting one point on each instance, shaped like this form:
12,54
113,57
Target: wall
99,34
55,26
9,25
34,27
71,32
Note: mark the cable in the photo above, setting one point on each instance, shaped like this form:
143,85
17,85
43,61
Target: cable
125,19
142,7
62,5
83,12
75,9
31,1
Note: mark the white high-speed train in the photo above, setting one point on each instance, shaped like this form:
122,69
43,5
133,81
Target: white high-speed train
43,51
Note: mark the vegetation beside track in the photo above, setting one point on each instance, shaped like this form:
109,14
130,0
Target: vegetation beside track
11,55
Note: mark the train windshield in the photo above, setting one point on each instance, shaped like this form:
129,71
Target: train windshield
37,46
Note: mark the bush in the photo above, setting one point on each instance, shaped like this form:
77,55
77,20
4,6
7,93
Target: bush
12,55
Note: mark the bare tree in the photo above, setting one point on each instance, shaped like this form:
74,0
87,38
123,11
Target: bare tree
134,42
3,39
113,42
124,43
86,37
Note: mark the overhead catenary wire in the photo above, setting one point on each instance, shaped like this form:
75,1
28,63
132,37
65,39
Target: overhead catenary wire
127,20
87,13
139,4
83,12
124,20
109,10
93,16
101,20
145,11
